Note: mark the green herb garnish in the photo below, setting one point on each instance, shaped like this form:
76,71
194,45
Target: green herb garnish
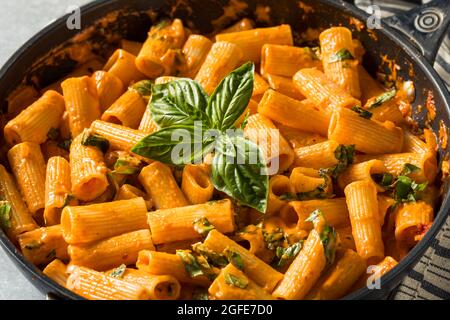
234,258
344,155
67,200
385,97
118,272
274,239
127,165
327,234
341,55
65,144
285,255
200,295
213,258
179,107
144,88
235,281
95,140
53,134
362,112
203,226
5,215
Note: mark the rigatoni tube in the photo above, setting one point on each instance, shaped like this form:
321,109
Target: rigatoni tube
95,285
83,224
57,189
368,136
82,103
88,170
28,166
20,217
196,184
361,197
119,137
252,41
160,184
183,220
114,251
303,115
222,59
34,123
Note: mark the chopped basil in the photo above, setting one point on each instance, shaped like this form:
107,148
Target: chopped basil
285,255
33,245
328,236
385,180
95,140
65,144
385,97
344,154
406,189
5,215
288,197
127,165
341,55
190,263
409,168
203,226
274,239
234,258
362,112
118,272
53,134
235,281
213,258
144,88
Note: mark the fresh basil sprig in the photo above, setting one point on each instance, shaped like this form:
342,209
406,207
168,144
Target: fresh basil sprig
238,167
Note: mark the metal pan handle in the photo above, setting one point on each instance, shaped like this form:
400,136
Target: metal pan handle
425,26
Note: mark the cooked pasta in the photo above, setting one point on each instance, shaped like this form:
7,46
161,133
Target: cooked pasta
310,175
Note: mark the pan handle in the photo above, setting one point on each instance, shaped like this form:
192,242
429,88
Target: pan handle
425,26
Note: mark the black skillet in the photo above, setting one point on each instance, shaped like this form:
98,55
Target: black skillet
412,40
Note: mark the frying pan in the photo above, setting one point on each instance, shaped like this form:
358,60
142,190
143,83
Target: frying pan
411,40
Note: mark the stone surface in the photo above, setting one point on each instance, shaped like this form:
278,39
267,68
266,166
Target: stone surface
19,21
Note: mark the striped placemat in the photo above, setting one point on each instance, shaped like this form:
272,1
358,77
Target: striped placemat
430,278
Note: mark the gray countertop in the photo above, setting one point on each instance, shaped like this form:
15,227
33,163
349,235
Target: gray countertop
19,21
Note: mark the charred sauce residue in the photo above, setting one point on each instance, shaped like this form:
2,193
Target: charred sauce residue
230,13
443,134
430,106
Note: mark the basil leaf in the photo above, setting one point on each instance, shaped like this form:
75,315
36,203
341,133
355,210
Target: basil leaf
341,55
235,281
402,188
191,265
118,272
95,140
385,97
177,145
234,258
179,102
203,226
144,88
288,254
5,215
65,144
239,170
214,258
127,165
328,236
53,134
409,168
362,112
344,155
231,97
385,180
